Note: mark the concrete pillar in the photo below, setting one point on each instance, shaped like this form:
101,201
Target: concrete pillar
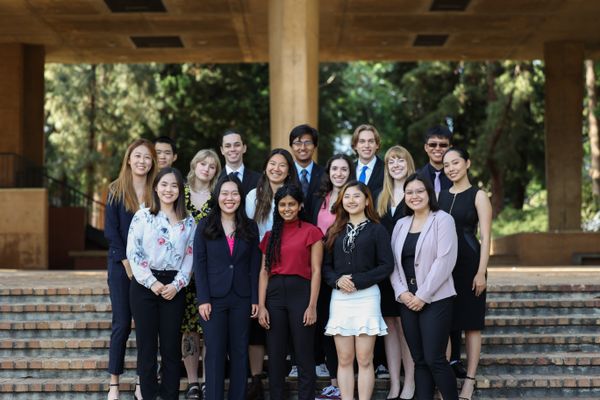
563,129
293,66
22,100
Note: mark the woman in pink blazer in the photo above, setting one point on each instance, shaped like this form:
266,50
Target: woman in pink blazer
425,246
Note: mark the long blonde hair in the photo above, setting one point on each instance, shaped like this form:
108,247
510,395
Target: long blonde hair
387,193
122,190
201,156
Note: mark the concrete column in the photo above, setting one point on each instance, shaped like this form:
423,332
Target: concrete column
22,100
564,151
293,66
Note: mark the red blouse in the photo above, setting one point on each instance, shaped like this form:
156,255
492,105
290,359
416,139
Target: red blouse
297,238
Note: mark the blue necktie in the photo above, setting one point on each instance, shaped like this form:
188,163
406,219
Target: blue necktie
363,174
304,181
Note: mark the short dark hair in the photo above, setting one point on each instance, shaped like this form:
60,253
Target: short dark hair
417,176
304,129
167,140
438,131
231,132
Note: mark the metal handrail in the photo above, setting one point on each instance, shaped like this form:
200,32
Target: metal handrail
17,171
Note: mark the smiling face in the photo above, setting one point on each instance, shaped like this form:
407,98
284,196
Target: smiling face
164,154
339,171
205,170
366,146
277,169
455,167
416,197
436,148
140,161
167,190
397,167
233,149
354,201
229,198
288,208
303,149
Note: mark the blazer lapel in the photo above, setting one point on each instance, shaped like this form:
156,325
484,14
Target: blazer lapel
424,231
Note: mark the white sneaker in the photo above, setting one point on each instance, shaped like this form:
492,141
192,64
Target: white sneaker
381,372
293,372
322,371
330,392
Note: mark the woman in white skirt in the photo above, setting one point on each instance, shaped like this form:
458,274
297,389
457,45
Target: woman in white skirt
358,256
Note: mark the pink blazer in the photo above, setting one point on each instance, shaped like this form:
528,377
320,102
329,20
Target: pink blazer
435,257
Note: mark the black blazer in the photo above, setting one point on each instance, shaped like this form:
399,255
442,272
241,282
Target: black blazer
249,180
217,271
376,180
388,220
428,171
116,227
313,186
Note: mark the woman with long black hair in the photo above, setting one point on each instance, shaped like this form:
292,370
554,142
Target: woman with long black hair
226,265
289,284
159,248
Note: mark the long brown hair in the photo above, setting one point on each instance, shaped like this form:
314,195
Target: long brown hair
122,190
264,193
341,215
387,193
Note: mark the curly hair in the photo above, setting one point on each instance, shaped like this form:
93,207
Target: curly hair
273,253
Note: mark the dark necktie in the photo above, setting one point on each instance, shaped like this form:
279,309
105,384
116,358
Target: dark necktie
304,181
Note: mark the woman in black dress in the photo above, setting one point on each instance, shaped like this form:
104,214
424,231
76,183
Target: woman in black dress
390,206
469,207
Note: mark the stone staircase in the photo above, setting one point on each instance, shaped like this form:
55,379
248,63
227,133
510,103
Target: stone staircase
541,341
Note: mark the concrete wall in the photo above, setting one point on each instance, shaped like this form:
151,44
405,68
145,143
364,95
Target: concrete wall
24,228
547,248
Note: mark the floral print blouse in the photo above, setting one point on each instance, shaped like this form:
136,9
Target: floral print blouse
197,214
153,243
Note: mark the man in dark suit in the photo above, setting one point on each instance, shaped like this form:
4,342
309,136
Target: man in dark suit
437,142
233,149
369,167
304,140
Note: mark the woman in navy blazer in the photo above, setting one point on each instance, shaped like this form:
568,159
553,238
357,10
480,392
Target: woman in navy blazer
226,266
425,246
131,189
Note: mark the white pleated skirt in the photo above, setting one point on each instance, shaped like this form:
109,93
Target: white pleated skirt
356,313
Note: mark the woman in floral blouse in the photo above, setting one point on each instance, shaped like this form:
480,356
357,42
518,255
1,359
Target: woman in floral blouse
159,249
205,168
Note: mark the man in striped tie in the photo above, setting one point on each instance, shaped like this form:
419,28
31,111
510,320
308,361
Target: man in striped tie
304,140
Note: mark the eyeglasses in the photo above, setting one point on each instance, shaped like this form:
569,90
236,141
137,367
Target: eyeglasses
302,143
417,192
433,145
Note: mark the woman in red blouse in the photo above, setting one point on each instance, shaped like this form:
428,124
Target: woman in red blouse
288,289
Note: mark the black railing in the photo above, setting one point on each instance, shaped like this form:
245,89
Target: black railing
18,172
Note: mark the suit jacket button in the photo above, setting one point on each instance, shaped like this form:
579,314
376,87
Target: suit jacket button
231,267
416,265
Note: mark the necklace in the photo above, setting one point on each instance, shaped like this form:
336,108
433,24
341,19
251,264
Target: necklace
452,205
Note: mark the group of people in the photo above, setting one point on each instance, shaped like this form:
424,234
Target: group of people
315,263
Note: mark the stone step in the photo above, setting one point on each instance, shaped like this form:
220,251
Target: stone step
552,363
539,343
60,347
542,311
55,329
506,387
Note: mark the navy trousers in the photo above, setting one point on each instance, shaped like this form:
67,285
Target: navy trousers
118,285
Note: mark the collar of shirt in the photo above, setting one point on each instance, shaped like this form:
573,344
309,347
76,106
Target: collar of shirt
307,168
370,165
229,170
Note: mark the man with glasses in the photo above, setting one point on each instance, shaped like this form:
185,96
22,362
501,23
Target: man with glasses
304,140
437,142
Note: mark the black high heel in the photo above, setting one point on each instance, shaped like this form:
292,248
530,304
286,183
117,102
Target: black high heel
474,387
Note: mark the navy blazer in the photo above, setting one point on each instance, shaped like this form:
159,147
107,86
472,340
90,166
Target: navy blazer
249,180
314,184
217,271
116,227
376,179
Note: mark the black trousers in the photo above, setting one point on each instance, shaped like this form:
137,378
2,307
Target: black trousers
226,332
324,345
427,333
287,299
157,318
118,285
